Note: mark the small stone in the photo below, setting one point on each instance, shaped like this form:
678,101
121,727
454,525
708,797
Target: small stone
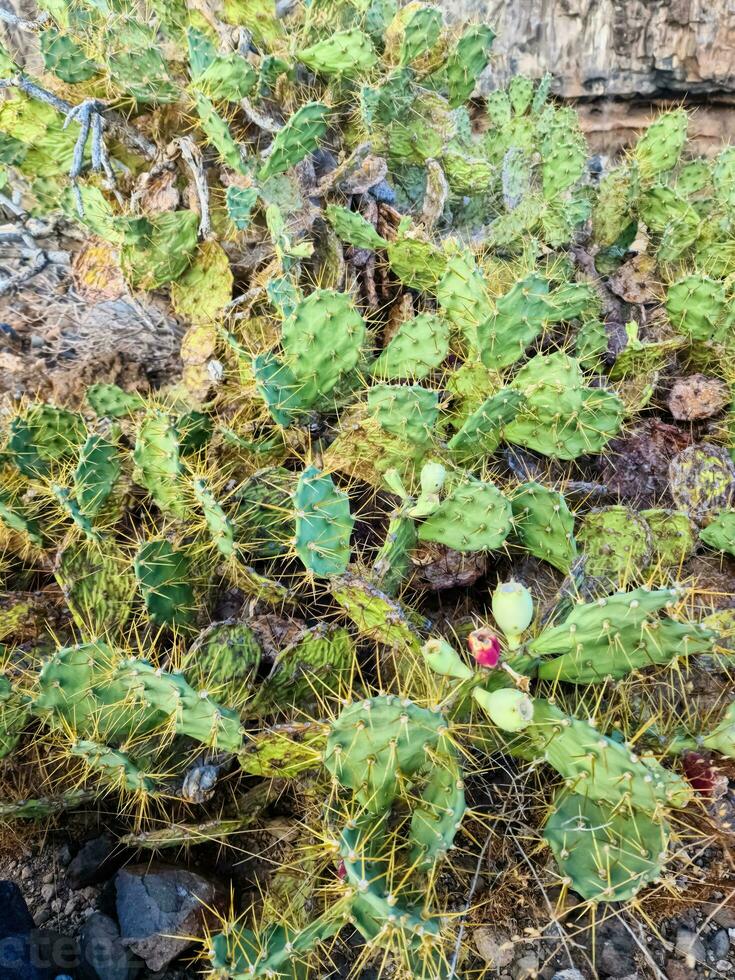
26,873
678,970
725,917
70,907
616,958
48,879
724,967
63,855
102,954
697,397
42,917
690,947
719,944
48,892
95,861
570,974
56,905
525,967
494,947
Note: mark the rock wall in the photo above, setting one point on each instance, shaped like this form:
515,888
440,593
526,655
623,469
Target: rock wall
642,53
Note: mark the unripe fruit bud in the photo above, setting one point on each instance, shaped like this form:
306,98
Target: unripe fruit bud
513,610
510,709
444,659
433,476
484,647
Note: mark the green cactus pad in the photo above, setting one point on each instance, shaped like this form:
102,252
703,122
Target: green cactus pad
346,53
42,436
474,517
218,133
240,202
376,616
219,525
544,524
316,665
520,318
406,411
323,524
672,536
421,31
417,263
607,854
14,714
225,655
468,60
720,533
616,635
298,138
481,433
438,815
371,740
158,466
63,57
418,347
204,290
70,508
659,149
13,516
264,522
352,228
117,768
158,249
463,297
615,542
98,586
164,576
97,472
698,307
283,751
109,401
47,806
393,561
561,417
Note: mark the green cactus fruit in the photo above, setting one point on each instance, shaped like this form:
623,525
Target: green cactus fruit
352,228
240,202
65,58
615,542
672,536
164,577
481,433
218,133
218,523
658,150
508,708
463,297
444,659
512,606
98,585
520,93
349,53
158,249
475,516
698,307
544,524
616,635
702,481
117,768
520,317
14,517
323,524
158,464
109,401
560,417
393,560
406,411
468,60
720,533
298,138
605,769
205,289
373,739
607,854
264,521
420,32
96,474
376,616
322,341
417,348
417,263
42,436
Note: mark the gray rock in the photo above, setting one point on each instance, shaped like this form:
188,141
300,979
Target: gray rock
160,909
616,958
96,860
719,944
690,947
525,966
570,974
494,946
102,954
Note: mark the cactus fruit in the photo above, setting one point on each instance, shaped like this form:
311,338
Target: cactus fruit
512,606
475,516
544,524
444,659
323,524
510,709
608,854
